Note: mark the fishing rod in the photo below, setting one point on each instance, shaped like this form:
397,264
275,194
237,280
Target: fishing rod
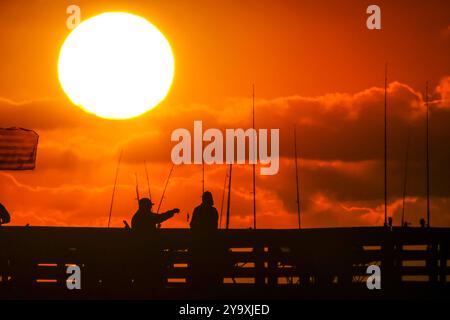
227,223
296,178
385,148
254,160
223,196
405,179
137,188
165,187
203,177
428,156
148,181
114,188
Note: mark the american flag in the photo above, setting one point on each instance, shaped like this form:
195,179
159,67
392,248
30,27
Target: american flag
18,148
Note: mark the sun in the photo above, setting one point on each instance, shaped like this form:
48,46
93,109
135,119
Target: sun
116,65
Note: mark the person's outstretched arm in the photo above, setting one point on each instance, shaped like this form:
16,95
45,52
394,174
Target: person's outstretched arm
166,215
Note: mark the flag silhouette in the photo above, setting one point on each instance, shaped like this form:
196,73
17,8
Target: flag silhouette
18,149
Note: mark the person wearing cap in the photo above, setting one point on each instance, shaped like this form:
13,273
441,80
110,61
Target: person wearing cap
144,220
148,267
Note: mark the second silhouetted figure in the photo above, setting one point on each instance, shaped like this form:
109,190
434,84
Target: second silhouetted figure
205,216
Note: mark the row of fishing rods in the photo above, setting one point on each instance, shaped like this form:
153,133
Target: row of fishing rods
228,174
405,177
297,182
297,179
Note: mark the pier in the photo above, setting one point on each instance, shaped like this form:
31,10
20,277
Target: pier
285,264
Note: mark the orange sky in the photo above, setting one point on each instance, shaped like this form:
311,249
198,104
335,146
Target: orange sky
316,65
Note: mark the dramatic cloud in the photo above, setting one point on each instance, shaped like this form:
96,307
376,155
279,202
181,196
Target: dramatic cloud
340,144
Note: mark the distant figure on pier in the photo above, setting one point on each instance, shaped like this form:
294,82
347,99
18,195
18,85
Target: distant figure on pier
205,216
422,223
4,215
144,220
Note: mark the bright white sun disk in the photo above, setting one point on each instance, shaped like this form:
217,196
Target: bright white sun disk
116,65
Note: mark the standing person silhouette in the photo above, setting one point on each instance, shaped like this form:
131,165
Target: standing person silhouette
148,264
205,251
205,217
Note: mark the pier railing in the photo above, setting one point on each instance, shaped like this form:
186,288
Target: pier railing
290,263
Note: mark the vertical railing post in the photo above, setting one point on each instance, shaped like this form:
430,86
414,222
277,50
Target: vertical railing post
387,265
259,253
273,254
443,249
432,262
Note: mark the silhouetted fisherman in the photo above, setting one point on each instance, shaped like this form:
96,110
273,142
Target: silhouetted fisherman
144,220
148,264
4,215
206,253
205,216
